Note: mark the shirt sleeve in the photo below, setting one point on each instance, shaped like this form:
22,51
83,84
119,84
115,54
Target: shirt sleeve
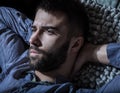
14,36
113,53
17,22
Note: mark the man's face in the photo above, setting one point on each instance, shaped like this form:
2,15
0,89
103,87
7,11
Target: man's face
48,43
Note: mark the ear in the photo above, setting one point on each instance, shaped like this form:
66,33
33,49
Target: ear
76,43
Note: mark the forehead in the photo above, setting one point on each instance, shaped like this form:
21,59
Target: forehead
50,18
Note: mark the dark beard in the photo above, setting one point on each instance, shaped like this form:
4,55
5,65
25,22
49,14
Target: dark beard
53,60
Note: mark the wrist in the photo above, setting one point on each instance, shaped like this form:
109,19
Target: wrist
101,54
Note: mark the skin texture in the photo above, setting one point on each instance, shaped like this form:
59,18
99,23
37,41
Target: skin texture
50,31
91,53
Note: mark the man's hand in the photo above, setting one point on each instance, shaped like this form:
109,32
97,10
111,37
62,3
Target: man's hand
84,56
91,53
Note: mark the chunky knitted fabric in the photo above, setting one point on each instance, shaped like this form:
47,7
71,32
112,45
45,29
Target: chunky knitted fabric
104,22
104,28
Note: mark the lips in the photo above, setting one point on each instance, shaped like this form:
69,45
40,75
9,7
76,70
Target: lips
32,51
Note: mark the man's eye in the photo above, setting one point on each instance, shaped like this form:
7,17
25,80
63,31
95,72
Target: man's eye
50,31
33,30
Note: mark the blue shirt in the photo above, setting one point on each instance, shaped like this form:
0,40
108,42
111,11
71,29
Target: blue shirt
15,32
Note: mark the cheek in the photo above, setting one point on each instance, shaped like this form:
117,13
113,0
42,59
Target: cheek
51,43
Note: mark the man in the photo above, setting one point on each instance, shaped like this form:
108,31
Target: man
108,54
58,34
54,45
56,39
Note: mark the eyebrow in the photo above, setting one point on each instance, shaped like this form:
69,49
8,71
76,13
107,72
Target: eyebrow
50,27
47,27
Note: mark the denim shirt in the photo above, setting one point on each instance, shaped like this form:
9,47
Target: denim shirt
15,32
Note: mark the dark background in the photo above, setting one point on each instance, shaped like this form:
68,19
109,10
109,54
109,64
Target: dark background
27,7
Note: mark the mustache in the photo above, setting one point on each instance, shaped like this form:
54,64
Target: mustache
37,49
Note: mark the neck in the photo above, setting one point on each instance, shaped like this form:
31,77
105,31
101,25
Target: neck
45,76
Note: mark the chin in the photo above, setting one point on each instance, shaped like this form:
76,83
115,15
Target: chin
35,59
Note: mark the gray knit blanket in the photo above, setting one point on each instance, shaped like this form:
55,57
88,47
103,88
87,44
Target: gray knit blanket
104,28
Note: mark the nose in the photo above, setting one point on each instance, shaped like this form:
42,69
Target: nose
35,39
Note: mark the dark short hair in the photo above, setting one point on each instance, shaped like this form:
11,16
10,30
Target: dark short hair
72,9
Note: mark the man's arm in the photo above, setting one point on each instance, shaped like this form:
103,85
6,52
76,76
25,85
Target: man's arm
105,54
16,21
12,46
113,53
99,54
